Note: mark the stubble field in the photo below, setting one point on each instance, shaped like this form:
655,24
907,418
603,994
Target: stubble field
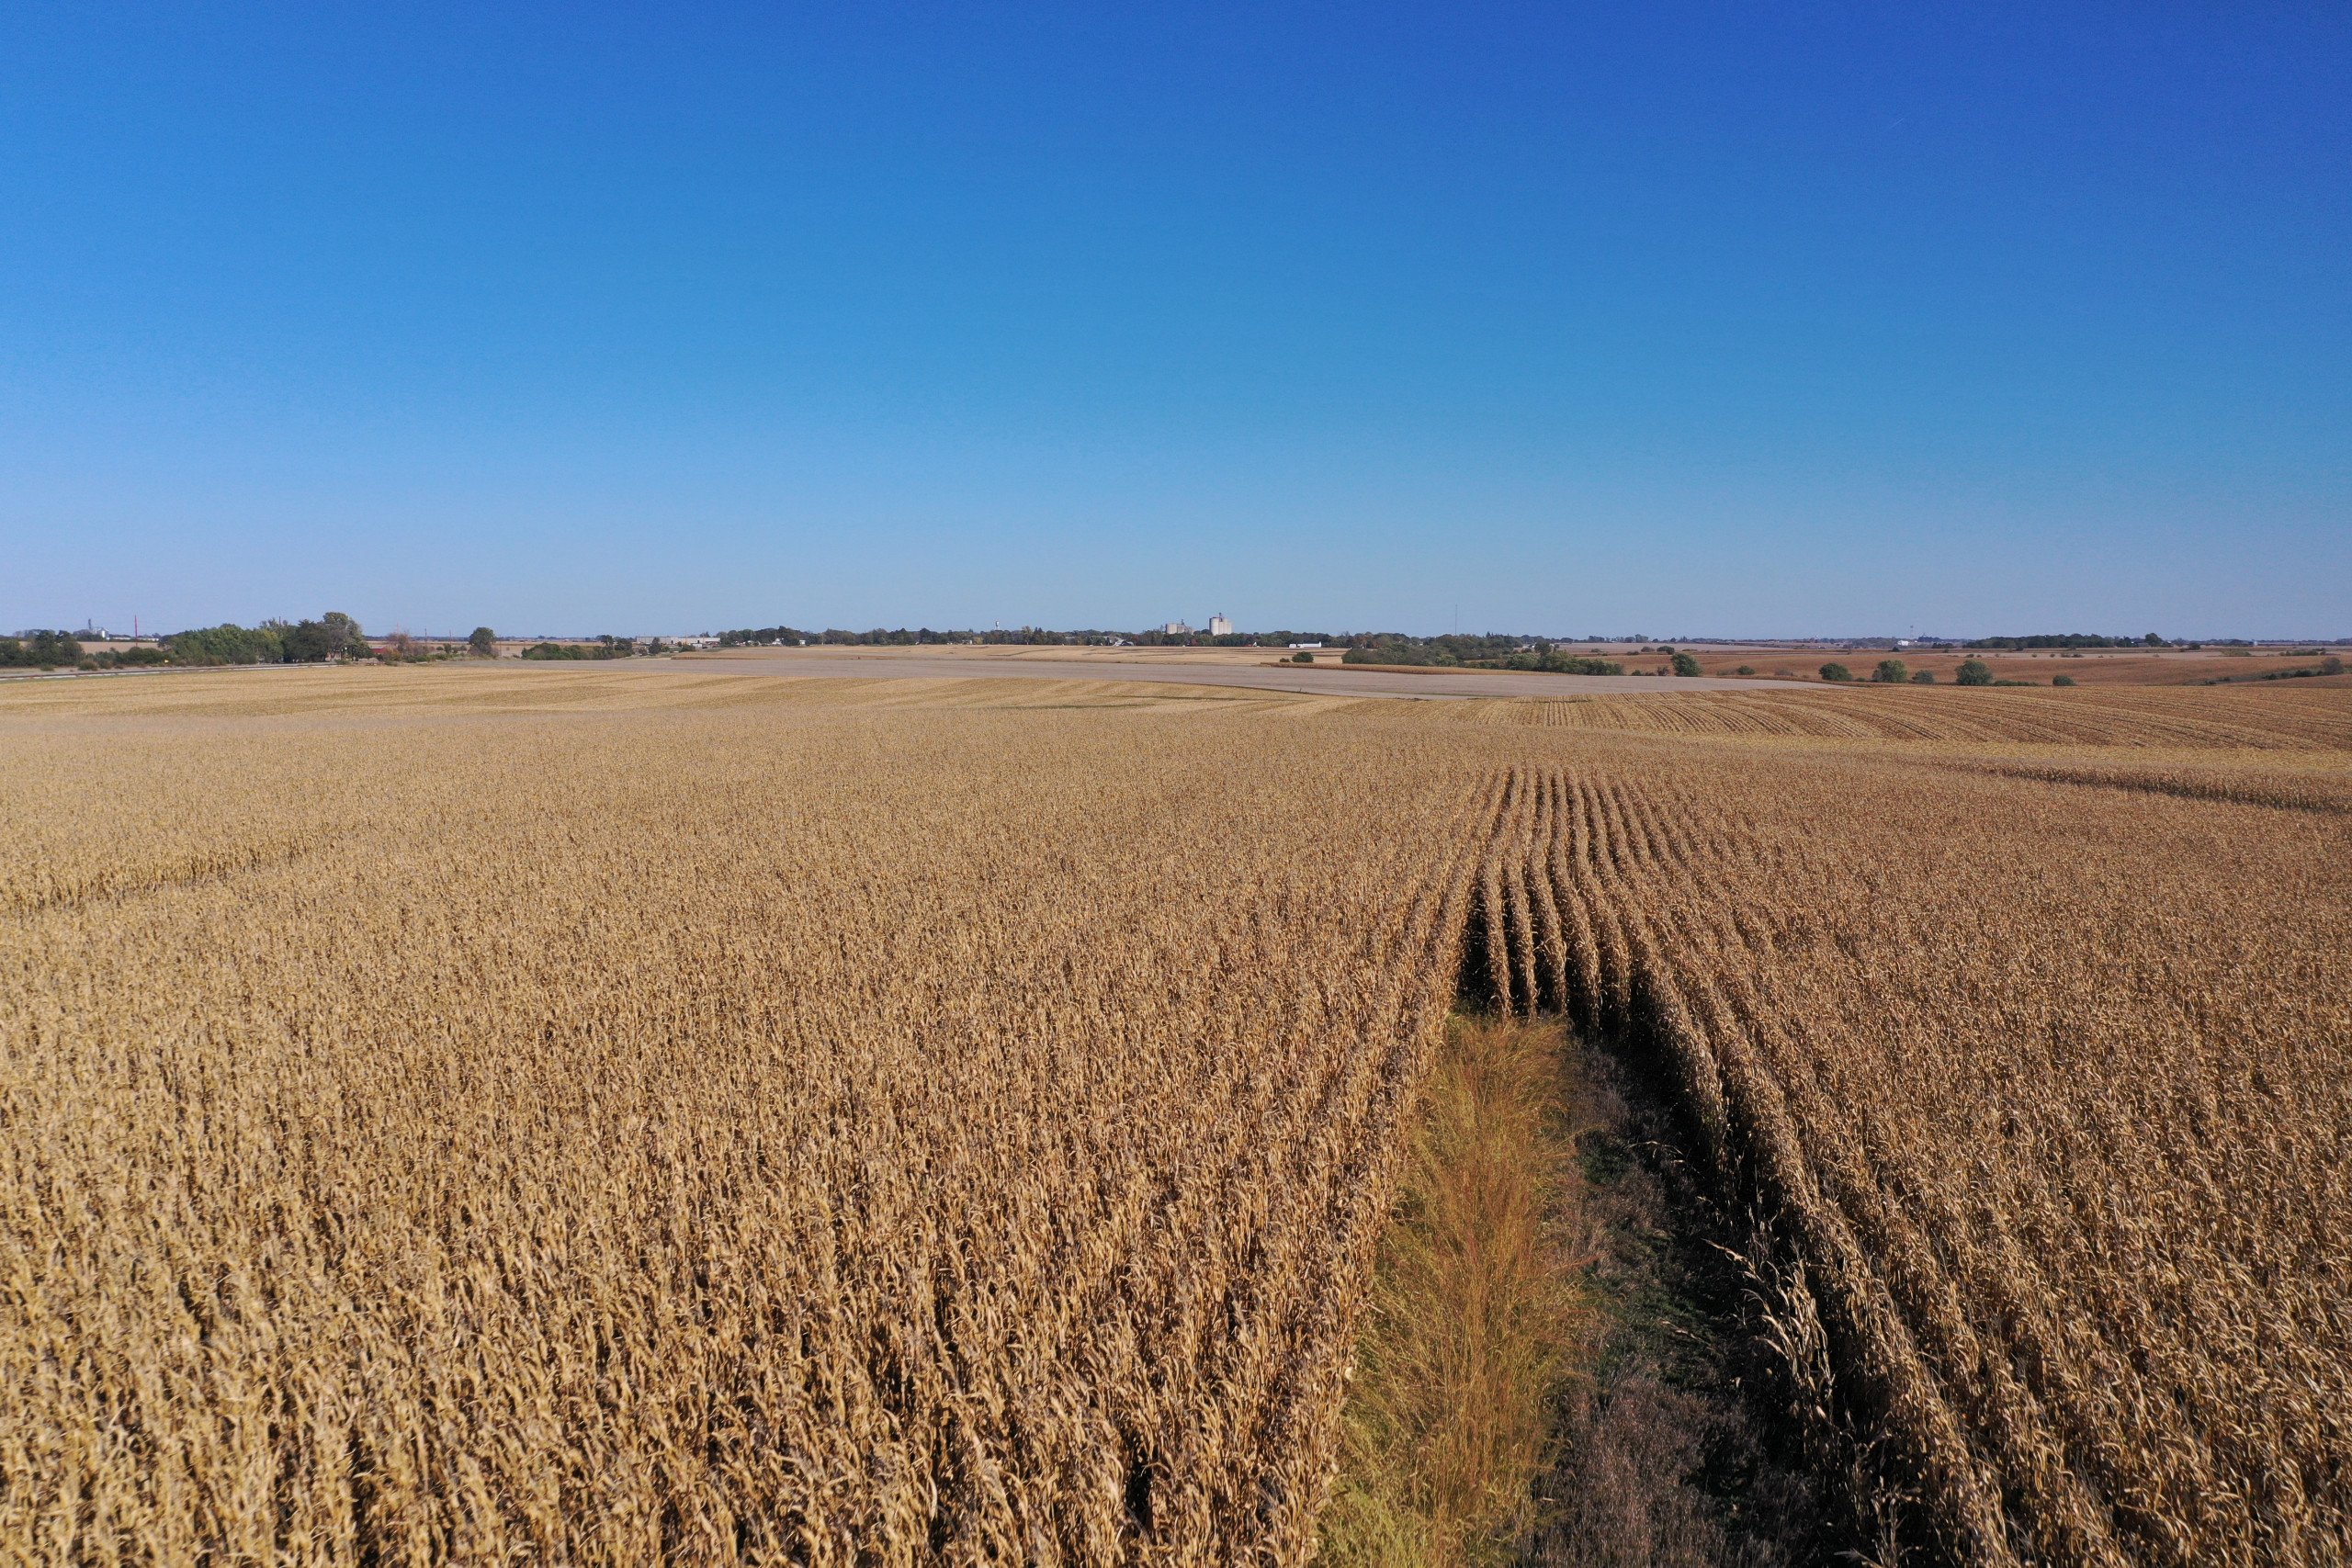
621,1116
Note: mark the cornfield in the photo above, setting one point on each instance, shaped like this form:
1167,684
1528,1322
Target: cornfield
626,1116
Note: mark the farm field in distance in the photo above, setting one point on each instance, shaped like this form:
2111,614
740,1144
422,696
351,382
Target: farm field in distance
656,1113
1762,662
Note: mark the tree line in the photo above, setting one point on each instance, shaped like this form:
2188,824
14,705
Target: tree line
333,637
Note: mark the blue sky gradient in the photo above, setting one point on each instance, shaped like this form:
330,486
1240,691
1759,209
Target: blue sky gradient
1684,319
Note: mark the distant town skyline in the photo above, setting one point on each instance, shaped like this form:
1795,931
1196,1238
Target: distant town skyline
1740,321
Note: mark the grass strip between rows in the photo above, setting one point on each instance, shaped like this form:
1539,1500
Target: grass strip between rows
1475,1317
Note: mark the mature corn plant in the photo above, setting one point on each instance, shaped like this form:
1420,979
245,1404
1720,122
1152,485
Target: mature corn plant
653,1115
861,1137
2047,1087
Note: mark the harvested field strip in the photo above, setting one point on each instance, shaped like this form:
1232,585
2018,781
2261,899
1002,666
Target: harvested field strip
503,687
2329,792
2163,717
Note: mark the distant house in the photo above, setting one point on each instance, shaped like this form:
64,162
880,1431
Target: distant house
1307,645
1220,626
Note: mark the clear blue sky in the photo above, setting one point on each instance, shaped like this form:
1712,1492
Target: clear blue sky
1678,319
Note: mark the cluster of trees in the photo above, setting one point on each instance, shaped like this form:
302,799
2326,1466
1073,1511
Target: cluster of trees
332,635
1035,637
1399,652
1559,661
792,637
605,647
1243,639
39,650
1894,672
2064,639
56,651
924,637
1487,651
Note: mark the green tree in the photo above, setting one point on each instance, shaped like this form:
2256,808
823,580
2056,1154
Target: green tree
227,643
1923,678
483,643
1302,657
332,635
1891,672
1685,665
41,649
1973,673
1836,672
2152,640
2062,680
345,639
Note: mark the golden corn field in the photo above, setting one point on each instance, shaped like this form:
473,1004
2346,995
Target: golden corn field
638,1115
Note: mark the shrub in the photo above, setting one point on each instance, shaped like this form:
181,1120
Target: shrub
2062,680
227,643
2332,665
1973,673
1745,669
1923,677
1554,661
1836,672
1891,672
1302,657
605,647
1685,665
1399,652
